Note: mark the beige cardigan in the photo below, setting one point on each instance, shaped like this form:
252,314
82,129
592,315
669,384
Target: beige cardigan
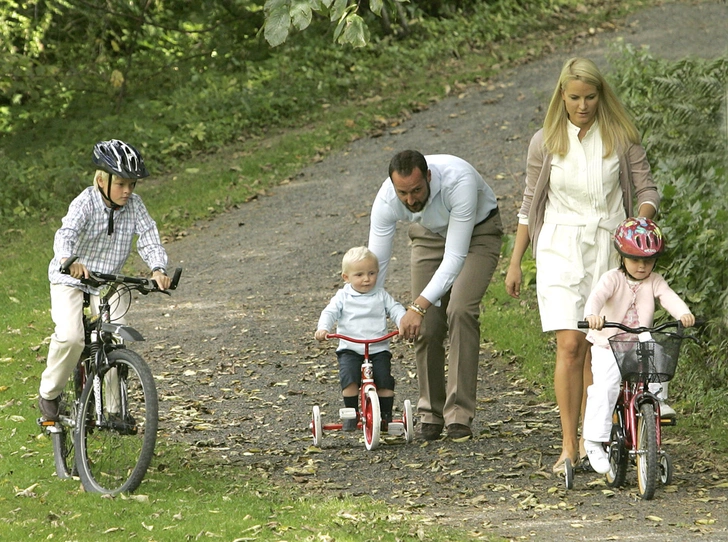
634,176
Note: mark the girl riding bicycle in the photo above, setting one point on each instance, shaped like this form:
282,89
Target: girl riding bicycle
99,228
627,295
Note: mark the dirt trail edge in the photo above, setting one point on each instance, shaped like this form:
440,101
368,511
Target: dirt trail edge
238,370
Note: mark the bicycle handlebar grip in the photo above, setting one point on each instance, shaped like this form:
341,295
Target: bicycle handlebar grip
65,266
175,278
582,324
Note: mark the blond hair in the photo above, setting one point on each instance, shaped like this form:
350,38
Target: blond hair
99,175
357,254
615,125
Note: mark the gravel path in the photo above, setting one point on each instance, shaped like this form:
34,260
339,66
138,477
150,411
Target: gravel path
239,370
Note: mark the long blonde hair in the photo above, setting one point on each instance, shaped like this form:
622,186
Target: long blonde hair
615,125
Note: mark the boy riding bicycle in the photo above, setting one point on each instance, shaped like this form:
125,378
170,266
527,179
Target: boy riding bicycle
99,228
360,310
626,295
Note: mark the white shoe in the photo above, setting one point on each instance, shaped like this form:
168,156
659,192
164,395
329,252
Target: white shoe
598,458
666,411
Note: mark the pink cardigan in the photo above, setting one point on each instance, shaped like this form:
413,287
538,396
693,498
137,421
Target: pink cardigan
612,298
635,178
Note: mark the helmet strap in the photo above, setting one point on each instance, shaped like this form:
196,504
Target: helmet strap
113,205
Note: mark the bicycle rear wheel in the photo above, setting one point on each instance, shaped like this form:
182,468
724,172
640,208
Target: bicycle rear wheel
62,434
647,451
618,456
114,450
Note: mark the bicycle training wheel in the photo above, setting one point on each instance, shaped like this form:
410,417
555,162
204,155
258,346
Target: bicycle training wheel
647,451
316,429
665,469
618,457
409,431
114,449
372,420
568,474
62,434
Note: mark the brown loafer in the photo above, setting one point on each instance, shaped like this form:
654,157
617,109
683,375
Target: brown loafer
458,430
429,431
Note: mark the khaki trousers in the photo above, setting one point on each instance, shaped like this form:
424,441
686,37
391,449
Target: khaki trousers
453,400
67,341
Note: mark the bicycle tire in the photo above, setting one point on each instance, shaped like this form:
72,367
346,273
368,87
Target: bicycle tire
62,435
372,425
647,451
618,457
113,457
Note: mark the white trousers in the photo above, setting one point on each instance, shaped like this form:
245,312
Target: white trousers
603,393
67,340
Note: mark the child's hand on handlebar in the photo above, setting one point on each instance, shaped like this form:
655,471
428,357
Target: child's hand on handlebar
77,270
320,334
687,320
162,280
595,322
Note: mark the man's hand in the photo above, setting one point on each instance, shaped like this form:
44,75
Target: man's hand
409,326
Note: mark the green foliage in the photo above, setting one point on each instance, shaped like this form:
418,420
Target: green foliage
191,81
682,108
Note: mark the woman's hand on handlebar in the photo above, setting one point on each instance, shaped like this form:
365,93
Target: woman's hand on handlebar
595,322
77,270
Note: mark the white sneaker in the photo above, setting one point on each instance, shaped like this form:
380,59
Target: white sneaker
666,411
598,458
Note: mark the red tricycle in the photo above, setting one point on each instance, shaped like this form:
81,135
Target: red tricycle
370,419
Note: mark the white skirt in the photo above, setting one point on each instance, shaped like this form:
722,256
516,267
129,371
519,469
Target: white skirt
569,262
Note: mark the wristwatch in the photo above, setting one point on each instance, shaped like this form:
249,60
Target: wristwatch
162,269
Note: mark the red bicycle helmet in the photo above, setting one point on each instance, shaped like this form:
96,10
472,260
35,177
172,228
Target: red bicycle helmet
639,238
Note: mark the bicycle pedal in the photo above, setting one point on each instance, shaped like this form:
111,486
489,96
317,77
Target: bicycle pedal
347,413
666,422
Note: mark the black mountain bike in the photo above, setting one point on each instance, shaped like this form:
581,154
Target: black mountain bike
108,413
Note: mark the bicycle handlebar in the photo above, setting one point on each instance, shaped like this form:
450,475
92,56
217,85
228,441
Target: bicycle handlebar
362,341
583,324
143,285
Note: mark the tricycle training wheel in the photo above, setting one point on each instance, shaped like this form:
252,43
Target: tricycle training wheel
316,429
408,420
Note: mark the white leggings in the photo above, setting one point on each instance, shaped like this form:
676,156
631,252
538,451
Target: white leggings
67,340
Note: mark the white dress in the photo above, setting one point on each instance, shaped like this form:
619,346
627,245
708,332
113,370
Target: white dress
575,246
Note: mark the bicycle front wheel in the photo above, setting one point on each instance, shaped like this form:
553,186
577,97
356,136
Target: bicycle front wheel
647,451
116,428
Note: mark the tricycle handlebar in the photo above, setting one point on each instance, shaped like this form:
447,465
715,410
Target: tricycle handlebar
362,341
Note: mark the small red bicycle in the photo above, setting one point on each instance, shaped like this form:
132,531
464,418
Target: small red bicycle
370,419
644,355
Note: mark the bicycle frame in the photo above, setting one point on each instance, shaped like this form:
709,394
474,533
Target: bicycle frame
637,422
111,396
